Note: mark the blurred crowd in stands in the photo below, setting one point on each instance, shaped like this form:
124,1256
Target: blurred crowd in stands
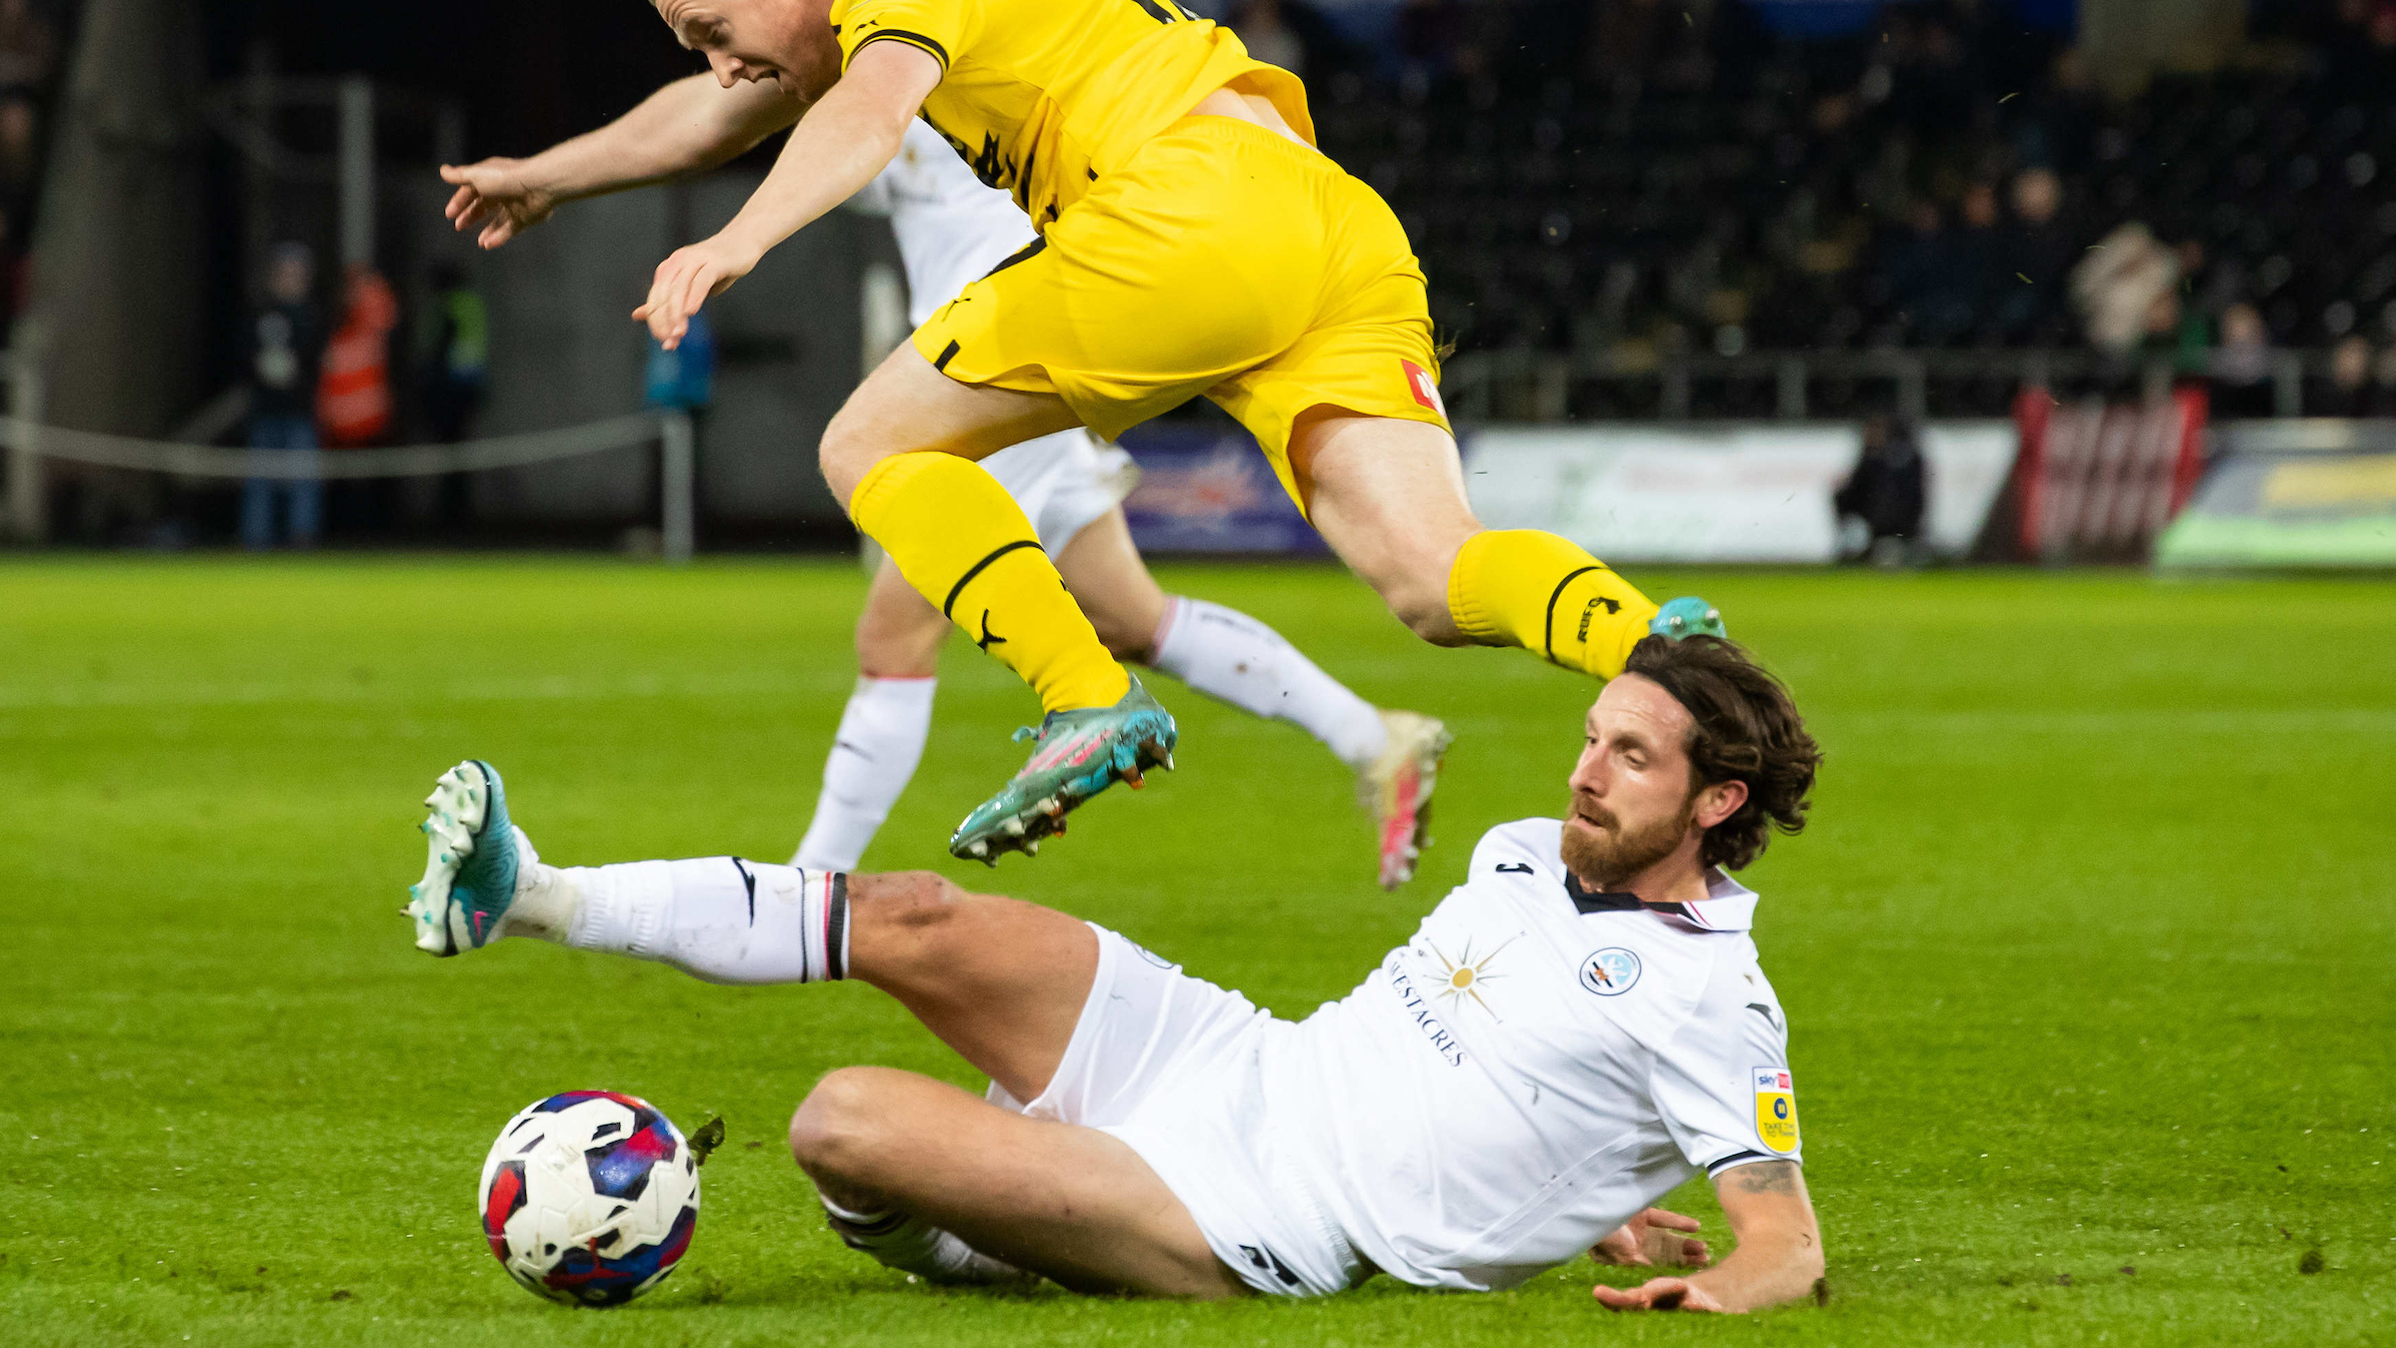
1659,175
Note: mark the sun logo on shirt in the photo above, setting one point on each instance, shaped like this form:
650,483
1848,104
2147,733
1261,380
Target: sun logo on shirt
1464,976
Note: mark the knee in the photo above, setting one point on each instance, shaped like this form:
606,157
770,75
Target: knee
1411,576
1419,599
846,454
834,1131
1423,610
907,912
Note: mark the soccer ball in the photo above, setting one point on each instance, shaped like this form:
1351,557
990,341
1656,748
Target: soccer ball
590,1197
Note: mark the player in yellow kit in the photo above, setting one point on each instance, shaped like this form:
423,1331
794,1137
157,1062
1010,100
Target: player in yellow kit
1192,241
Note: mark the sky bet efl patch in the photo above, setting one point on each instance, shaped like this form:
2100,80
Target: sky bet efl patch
1776,1109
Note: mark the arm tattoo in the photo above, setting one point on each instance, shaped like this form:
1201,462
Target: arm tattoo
1766,1177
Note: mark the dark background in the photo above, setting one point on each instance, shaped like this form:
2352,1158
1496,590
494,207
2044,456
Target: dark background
530,72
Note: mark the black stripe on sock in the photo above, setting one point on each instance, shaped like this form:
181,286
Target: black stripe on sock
1549,634
836,928
748,881
947,354
978,567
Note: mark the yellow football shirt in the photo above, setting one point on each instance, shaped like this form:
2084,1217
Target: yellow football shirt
1043,96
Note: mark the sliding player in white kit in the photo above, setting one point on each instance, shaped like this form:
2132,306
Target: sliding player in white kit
1576,1030
951,231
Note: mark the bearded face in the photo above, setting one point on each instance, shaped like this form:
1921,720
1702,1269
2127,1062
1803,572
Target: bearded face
1635,799
1602,849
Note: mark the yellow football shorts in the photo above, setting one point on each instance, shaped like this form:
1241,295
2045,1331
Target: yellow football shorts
1223,259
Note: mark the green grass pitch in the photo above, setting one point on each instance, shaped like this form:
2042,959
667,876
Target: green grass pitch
2087,953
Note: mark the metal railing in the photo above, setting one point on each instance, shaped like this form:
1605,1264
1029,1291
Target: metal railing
29,441
1536,386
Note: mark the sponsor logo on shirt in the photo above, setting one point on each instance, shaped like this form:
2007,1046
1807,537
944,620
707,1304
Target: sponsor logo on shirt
1776,1109
1464,977
1424,388
1610,972
1442,1042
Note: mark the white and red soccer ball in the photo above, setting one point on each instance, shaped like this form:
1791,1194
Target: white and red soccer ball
590,1197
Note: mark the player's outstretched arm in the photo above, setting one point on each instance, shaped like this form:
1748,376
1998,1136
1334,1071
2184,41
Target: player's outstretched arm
850,135
1779,1254
691,124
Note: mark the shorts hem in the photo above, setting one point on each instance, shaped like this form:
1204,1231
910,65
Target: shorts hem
1073,1065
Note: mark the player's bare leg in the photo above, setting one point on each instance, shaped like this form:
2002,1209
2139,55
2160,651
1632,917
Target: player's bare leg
899,633
1388,495
1002,982
1073,1204
1104,569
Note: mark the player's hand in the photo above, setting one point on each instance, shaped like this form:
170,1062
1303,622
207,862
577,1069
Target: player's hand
1659,1294
688,279
1653,1237
496,195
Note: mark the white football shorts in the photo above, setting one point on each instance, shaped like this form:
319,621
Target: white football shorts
1064,482
1169,1064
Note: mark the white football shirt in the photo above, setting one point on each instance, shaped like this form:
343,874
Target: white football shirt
1534,1068
951,230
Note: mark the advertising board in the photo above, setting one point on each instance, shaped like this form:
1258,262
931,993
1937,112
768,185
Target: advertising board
2291,494
1744,493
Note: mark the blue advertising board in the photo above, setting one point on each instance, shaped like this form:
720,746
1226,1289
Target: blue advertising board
1208,489
1838,18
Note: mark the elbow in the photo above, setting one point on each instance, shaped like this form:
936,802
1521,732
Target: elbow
890,135
1802,1269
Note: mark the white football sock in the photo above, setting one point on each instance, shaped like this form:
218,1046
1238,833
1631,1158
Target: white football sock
722,919
1227,654
541,908
874,753
912,1245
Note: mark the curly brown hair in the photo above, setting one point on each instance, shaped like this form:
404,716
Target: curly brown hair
1747,730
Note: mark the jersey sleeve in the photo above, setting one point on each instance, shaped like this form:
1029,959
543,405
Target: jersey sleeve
941,28
1724,1086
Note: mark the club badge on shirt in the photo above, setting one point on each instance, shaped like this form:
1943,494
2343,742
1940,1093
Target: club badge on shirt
1610,972
1776,1109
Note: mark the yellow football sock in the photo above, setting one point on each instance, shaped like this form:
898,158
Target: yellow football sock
1523,587
964,544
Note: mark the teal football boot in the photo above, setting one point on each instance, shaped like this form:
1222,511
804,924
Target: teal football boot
1078,755
471,858
1688,616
